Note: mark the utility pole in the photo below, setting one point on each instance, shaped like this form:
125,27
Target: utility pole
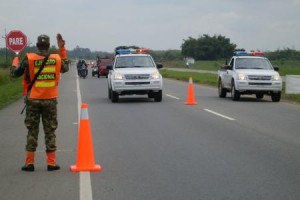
5,47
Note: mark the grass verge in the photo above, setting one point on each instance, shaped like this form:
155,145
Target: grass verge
201,78
10,88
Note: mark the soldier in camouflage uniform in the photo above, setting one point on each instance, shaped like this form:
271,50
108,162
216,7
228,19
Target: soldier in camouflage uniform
42,106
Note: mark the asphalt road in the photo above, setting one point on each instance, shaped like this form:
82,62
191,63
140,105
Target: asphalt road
215,150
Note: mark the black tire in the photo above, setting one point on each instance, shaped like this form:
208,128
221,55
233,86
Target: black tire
114,96
222,91
150,95
235,94
276,97
259,96
158,96
109,93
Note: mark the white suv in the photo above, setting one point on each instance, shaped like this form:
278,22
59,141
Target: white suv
249,74
134,73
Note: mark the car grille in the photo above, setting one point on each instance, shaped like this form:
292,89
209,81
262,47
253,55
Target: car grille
260,83
136,76
261,78
137,83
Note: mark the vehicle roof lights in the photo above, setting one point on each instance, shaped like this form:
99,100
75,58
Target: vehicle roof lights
123,51
241,53
246,53
257,53
142,50
132,51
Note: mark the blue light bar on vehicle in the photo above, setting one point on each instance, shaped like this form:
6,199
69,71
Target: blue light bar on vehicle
123,51
241,53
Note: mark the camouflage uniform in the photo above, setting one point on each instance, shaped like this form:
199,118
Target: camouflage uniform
40,108
36,109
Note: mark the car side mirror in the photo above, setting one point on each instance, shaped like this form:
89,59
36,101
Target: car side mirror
229,67
226,67
109,67
276,68
159,65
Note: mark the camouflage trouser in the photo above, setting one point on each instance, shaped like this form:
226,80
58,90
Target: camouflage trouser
47,110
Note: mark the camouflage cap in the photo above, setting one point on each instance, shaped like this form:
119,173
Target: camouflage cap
43,39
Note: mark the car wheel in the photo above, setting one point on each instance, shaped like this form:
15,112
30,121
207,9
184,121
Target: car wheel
109,93
235,94
259,96
158,96
150,95
222,91
114,96
276,97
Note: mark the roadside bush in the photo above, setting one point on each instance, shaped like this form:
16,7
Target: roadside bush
10,88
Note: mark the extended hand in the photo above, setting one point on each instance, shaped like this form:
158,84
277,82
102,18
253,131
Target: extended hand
60,41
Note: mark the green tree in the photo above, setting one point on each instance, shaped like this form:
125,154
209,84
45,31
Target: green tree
208,47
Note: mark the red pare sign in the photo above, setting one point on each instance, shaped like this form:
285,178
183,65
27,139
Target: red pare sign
16,41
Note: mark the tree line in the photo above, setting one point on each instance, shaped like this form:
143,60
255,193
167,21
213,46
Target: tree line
205,47
219,47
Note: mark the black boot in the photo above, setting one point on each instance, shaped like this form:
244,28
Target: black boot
51,161
29,162
53,167
28,168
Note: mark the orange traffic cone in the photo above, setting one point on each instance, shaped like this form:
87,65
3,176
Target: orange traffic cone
190,100
85,152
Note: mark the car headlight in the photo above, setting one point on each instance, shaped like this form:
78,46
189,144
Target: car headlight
242,77
276,77
155,75
118,76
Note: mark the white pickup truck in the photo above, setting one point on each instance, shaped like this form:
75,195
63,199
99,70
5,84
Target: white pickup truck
248,73
134,72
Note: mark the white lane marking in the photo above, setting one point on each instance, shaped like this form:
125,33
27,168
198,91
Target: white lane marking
220,115
78,99
172,96
85,187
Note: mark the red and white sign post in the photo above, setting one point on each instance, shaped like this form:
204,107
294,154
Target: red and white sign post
16,41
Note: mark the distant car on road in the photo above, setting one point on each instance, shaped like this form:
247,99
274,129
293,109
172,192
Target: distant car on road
104,65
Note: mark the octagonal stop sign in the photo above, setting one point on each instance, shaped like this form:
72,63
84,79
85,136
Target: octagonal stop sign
16,41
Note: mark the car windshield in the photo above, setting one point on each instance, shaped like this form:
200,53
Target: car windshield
105,63
134,61
253,63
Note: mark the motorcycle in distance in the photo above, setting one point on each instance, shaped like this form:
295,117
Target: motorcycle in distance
83,72
82,69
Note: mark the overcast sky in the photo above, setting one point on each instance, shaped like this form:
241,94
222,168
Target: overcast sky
155,24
